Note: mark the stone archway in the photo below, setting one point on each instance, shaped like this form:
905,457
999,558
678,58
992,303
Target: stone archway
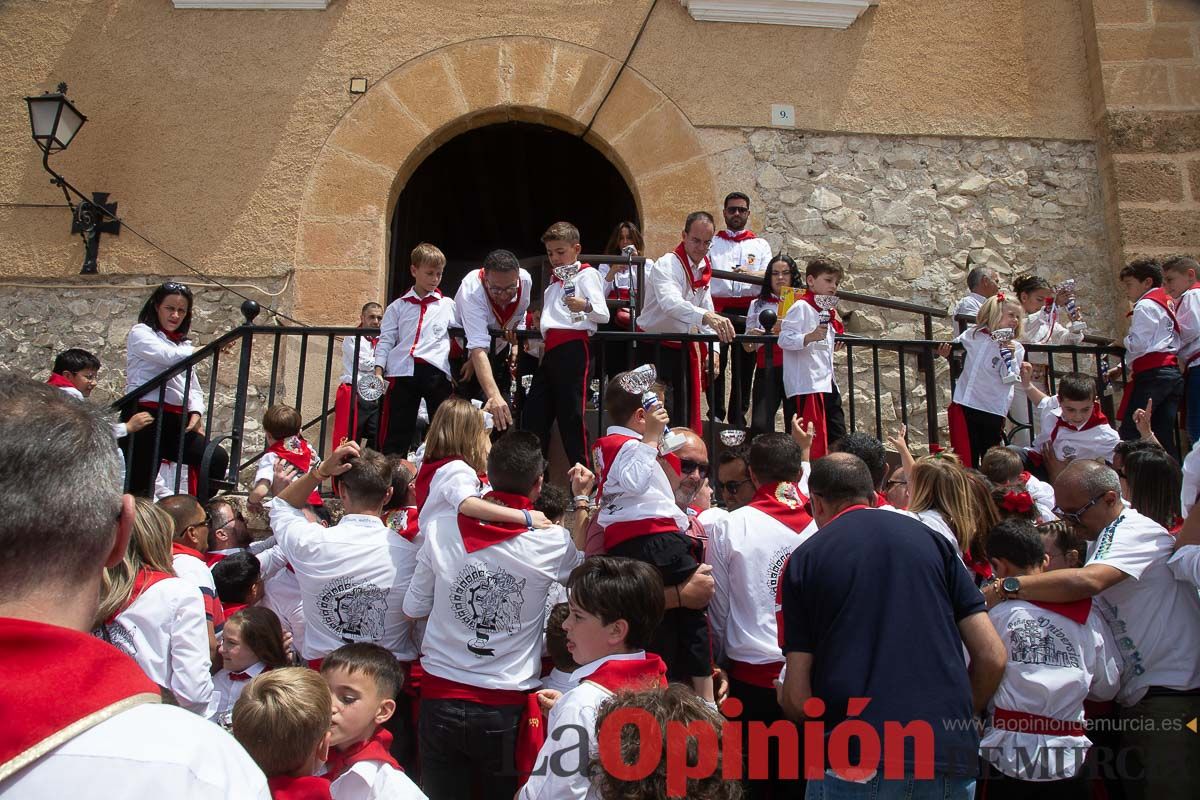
341,244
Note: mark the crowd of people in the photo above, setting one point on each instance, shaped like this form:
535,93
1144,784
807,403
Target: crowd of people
792,616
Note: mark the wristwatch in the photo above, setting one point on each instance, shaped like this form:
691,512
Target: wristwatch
1010,587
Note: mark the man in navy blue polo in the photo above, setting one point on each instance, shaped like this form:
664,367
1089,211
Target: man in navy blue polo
876,611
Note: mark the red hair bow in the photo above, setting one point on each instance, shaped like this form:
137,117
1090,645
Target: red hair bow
1017,502
1000,297
934,448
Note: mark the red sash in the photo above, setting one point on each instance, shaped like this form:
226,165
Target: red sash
377,748
403,521
435,688
1076,611
478,534
308,787
531,735
1095,420
56,683
58,380
556,336
784,502
761,675
634,674
425,477
960,439
503,314
141,582
1022,722
618,532
1140,365
811,408
297,452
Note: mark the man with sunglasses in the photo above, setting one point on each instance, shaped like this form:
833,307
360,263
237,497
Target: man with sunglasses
192,525
1154,618
733,477
495,296
228,532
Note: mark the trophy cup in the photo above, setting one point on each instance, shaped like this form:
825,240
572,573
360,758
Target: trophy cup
371,387
732,438
1106,385
594,397
1011,375
526,382
639,381
567,276
1077,324
825,303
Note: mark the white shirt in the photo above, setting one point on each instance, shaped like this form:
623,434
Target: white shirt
634,487
559,681
165,632
588,286
352,577
1044,328
194,571
752,254
1150,331
414,328
226,691
747,550
366,357
626,279
1096,442
475,311
1187,313
936,521
374,780
487,609
1154,618
281,594
1043,495
151,750
451,484
149,352
561,777
1185,564
807,368
1054,664
969,306
981,385
671,304
1190,491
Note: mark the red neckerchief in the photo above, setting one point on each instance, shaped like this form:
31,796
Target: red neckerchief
52,678
403,521
377,748
478,534
847,510
179,549
425,477
705,273
880,499
838,327
503,313
604,453
1095,420
308,787
174,336
636,674
740,236
432,297
374,340
1076,611
783,501
141,582
1159,295
582,267
981,568
294,450
58,380
233,608
239,676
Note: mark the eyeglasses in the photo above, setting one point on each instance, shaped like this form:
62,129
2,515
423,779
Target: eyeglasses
890,483
204,523
737,210
687,466
732,487
502,291
1073,517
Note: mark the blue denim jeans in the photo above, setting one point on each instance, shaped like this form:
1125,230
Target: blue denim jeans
940,787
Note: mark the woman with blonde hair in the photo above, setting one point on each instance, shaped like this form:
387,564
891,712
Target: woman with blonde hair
454,469
155,617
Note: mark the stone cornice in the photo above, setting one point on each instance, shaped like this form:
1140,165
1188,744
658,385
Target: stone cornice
311,5
811,13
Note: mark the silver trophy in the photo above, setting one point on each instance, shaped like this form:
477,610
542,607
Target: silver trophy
567,276
371,387
1077,324
526,382
825,303
640,381
732,438
1011,374
594,396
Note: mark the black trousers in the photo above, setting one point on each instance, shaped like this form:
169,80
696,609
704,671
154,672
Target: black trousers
759,705
672,366
558,392
1164,386
995,785
427,383
984,430
741,374
467,750
368,421
682,638
146,461
767,397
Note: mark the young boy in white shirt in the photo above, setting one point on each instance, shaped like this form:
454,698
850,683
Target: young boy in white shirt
569,318
413,352
616,603
1071,420
1059,654
806,337
1180,279
282,425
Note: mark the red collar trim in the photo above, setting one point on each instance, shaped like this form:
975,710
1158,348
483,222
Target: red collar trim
1094,421
178,549
377,748
411,297
403,521
308,787
783,501
740,236
838,327
705,277
425,477
58,380
52,678
625,673
1076,611
478,534
141,582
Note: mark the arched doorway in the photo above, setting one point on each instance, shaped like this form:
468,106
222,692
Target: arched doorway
502,185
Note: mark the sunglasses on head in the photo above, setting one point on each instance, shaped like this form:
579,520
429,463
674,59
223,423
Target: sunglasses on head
173,286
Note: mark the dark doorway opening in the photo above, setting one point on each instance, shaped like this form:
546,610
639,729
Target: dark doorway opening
502,186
